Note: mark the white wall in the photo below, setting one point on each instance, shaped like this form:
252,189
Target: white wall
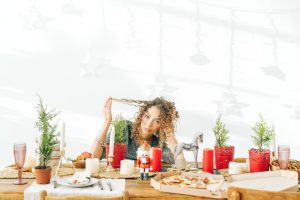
240,58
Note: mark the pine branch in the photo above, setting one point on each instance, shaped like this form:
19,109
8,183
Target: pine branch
221,133
119,124
263,134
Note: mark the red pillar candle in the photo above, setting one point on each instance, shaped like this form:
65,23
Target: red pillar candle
156,159
208,160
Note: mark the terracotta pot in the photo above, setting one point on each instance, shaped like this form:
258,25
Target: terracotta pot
223,155
43,176
119,154
259,161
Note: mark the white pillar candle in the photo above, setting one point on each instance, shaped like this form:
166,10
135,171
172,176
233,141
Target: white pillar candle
62,137
127,167
235,168
111,142
273,143
92,165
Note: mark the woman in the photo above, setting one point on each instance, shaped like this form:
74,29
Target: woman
154,123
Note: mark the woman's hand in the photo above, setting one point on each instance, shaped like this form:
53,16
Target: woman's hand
169,135
107,110
171,139
168,132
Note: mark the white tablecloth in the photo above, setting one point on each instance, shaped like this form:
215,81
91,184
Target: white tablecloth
118,186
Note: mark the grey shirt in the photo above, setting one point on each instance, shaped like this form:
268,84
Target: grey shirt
132,146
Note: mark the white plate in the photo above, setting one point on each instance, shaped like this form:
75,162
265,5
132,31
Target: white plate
64,182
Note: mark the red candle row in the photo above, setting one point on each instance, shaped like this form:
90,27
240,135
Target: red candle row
208,159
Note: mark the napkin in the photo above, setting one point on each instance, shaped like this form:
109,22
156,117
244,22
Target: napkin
80,178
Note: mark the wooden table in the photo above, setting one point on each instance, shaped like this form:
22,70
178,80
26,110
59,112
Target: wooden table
145,191
136,190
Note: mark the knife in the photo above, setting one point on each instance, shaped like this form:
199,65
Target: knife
100,184
54,183
109,185
89,179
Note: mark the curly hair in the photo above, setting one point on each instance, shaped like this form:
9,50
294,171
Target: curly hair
168,115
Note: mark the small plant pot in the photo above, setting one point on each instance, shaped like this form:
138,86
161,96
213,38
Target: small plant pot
259,161
43,175
119,154
223,155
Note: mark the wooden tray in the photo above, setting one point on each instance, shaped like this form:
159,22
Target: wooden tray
281,180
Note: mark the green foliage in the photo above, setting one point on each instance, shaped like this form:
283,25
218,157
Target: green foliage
263,134
48,137
220,132
119,123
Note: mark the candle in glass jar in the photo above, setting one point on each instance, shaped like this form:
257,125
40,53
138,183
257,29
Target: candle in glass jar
111,142
283,156
127,167
156,159
30,161
208,160
92,165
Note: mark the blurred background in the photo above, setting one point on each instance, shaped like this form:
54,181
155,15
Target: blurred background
237,58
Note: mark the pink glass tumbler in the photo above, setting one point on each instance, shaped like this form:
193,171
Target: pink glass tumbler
283,156
20,155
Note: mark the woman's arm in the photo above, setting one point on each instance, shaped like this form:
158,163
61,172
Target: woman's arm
99,141
180,161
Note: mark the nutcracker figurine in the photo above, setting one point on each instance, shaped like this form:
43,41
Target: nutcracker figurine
143,160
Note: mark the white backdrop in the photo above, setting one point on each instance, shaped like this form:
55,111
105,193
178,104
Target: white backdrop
238,58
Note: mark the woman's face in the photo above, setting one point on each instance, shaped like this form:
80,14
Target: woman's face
150,122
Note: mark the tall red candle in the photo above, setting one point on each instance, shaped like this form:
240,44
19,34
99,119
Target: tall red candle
208,160
156,159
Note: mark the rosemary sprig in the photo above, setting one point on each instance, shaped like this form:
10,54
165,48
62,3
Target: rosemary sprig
48,137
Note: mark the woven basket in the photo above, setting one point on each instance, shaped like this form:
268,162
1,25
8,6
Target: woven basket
294,165
79,164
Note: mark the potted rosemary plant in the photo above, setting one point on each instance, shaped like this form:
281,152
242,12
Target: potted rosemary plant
119,124
46,143
223,153
259,157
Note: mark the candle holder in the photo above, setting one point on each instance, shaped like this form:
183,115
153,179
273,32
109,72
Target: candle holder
110,168
60,163
62,156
